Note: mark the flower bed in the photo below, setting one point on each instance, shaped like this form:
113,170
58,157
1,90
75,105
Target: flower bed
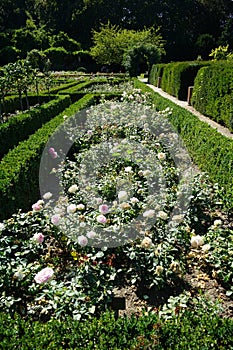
127,209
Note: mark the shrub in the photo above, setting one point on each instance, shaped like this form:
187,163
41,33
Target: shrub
84,61
20,126
155,73
58,57
63,40
213,92
210,150
140,58
178,76
19,169
144,332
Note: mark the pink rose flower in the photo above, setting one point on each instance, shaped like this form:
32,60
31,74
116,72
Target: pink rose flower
53,153
37,206
103,209
91,234
38,237
82,240
55,219
101,219
44,275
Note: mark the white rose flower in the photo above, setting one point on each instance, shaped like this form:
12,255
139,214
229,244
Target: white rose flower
71,208
80,206
197,241
128,169
47,195
217,222
162,215
159,269
1,226
91,234
206,247
134,200
82,240
73,189
149,213
161,156
146,242
122,196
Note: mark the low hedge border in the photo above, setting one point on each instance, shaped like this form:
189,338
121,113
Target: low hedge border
189,331
210,151
66,86
77,92
12,102
19,169
20,126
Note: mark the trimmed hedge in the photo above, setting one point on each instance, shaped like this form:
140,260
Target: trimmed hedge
155,73
65,86
178,76
210,151
77,91
213,92
12,103
190,331
19,169
20,126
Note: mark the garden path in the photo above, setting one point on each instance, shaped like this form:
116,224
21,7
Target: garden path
221,129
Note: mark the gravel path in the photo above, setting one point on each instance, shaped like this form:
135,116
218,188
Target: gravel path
221,129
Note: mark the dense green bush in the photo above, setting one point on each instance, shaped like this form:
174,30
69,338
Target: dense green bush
84,60
8,54
140,58
19,169
210,150
12,103
63,40
202,331
58,57
213,92
178,76
20,126
155,73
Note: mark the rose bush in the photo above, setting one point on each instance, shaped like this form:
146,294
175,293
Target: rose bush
117,221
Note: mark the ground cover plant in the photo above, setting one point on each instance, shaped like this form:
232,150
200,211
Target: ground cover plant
121,205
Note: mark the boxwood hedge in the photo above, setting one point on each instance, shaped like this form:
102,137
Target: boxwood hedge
213,92
177,77
211,151
20,126
204,331
19,168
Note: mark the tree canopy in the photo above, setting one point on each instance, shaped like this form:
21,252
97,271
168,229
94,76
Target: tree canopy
111,42
181,22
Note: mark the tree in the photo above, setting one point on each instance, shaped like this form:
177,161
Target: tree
140,58
111,42
63,40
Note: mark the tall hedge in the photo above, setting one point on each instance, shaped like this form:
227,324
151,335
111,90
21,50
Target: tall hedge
155,73
213,92
19,169
176,77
